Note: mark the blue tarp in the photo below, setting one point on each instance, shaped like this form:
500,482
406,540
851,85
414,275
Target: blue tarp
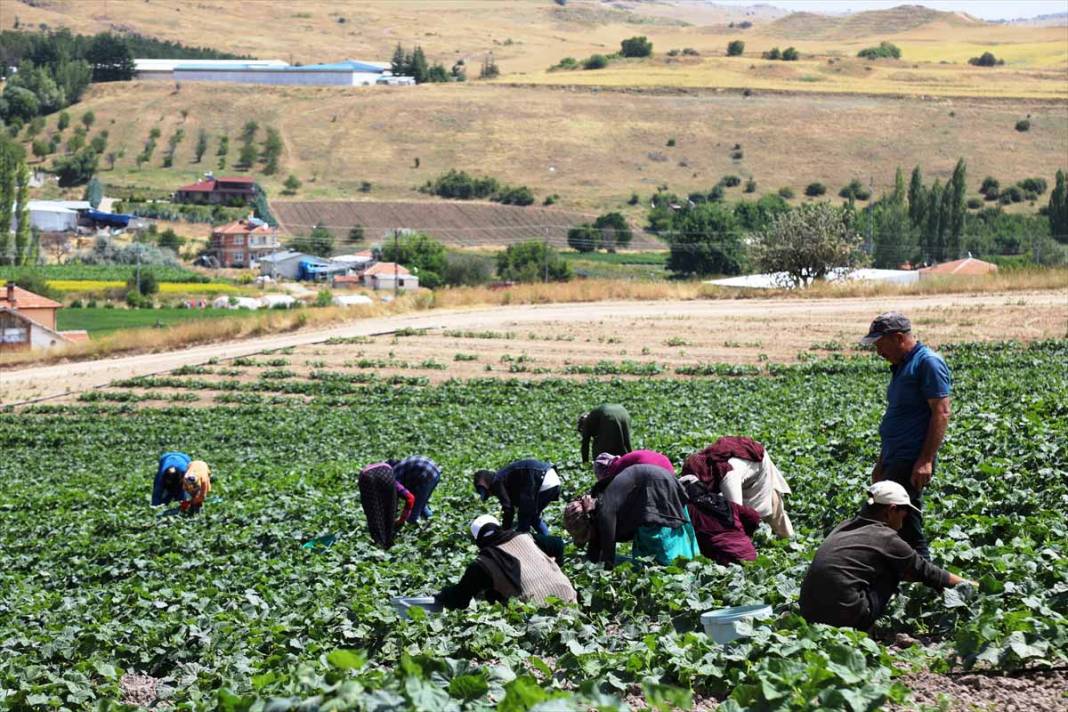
111,219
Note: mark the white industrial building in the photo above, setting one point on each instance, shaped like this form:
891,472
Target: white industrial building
347,73
53,215
164,68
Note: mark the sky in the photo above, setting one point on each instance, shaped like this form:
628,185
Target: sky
985,9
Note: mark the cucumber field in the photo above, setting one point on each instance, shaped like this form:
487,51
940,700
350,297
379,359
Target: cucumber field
99,593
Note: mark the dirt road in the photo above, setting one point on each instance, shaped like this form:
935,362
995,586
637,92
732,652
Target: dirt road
980,316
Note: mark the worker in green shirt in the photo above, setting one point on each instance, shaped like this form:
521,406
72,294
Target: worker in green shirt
608,426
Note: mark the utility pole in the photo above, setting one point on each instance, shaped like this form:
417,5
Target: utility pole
396,256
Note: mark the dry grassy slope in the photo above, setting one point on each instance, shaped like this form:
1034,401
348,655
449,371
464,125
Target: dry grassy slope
807,25
593,148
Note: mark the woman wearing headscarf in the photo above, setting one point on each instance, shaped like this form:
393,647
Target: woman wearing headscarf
196,484
379,490
508,565
643,504
167,486
724,529
742,471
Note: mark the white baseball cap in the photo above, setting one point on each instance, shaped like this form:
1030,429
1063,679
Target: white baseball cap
887,492
480,521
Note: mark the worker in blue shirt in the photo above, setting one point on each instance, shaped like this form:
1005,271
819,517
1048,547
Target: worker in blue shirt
167,486
419,475
917,414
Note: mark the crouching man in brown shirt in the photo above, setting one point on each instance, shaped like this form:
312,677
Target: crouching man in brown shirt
857,569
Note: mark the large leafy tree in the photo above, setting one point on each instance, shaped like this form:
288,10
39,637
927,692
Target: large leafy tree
809,242
1058,210
420,253
705,240
532,261
111,58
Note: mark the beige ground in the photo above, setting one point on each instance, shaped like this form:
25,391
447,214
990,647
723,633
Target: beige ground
543,341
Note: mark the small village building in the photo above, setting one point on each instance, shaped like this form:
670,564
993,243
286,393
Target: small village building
28,321
967,267
229,190
388,275
347,281
54,215
244,242
282,265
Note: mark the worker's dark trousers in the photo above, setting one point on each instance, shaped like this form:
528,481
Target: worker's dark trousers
912,529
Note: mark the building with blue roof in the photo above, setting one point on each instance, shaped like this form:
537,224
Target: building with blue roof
346,73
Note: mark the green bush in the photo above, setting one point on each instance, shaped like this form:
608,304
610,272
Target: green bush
854,190
885,50
814,190
636,47
786,192
989,188
1033,185
986,59
532,261
566,63
731,181
148,283
790,54
584,238
595,61
1023,125
772,53
750,186
974,203
735,48
467,270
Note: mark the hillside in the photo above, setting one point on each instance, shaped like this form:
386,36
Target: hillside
807,25
569,142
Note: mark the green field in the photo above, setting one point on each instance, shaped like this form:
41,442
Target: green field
226,609
99,321
102,272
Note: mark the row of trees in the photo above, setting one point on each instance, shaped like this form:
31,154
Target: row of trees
459,185
18,246
414,64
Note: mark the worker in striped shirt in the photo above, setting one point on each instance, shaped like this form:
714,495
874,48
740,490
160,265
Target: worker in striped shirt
525,488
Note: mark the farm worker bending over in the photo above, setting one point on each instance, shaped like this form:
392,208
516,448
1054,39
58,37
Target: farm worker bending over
525,485
741,469
196,484
509,564
167,486
608,465
419,475
724,529
858,567
379,491
916,418
644,504
608,426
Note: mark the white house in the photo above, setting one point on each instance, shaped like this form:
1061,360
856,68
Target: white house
164,68
346,73
388,275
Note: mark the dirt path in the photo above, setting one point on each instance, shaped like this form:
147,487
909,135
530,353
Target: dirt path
989,316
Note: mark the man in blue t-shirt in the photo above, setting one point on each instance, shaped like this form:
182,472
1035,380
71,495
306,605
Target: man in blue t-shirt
917,414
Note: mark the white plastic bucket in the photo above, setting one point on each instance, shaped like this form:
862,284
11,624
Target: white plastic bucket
401,604
722,625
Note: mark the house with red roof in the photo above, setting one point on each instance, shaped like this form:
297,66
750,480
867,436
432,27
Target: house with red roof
229,190
28,320
243,242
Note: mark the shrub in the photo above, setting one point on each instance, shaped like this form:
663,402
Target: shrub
790,54
716,194
735,48
634,199
324,298
772,53
76,169
551,199
584,238
786,192
989,188
1012,194
1023,125
986,59
737,155
885,50
515,195
566,63
814,190
671,143
532,261
462,269
148,284
595,61
292,185
690,52
750,186
1033,185
854,190
974,203
614,230
731,181
636,47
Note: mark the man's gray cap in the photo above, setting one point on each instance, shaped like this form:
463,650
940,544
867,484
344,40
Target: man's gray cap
887,323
